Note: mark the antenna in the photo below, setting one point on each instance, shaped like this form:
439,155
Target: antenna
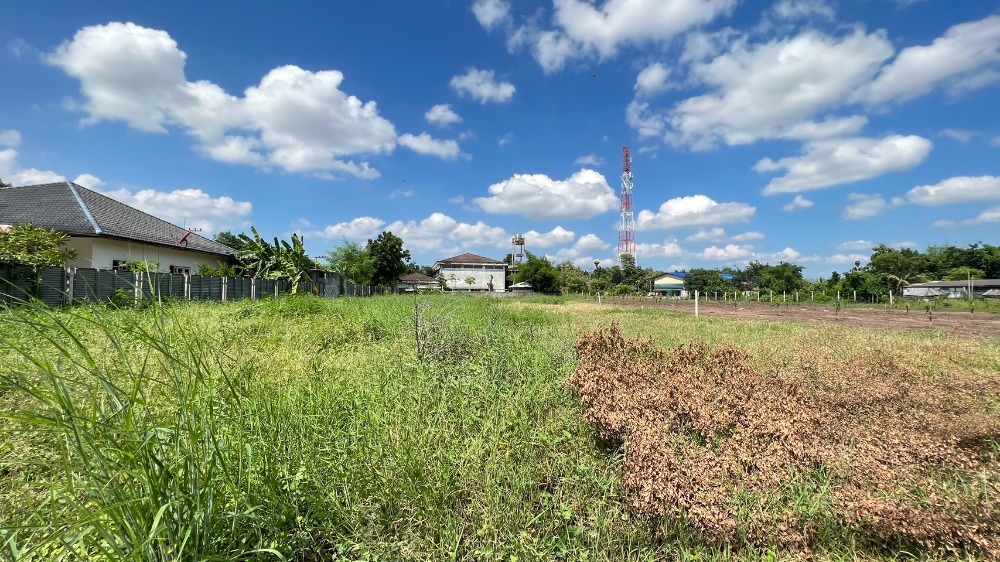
626,224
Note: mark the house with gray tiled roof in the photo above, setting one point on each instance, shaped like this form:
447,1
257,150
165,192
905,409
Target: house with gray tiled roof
106,233
487,274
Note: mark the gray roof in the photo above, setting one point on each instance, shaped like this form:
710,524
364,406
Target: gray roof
78,211
465,259
976,284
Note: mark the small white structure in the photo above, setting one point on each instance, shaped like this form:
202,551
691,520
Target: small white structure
486,274
951,289
107,233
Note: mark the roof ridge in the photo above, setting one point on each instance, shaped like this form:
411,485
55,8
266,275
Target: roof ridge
154,217
83,206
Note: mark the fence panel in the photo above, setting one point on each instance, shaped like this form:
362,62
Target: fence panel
16,283
52,286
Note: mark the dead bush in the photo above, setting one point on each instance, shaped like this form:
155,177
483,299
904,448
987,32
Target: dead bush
866,446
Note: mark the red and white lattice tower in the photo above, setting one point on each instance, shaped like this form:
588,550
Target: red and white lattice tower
626,226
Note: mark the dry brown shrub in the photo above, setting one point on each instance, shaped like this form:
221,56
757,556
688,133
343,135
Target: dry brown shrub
896,458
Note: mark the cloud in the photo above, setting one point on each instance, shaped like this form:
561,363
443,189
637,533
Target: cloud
835,162
491,13
294,119
960,135
582,253
856,245
731,252
718,234
397,193
995,141
988,216
441,233
669,249
482,86
865,206
583,195
581,29
361,228
802,9
961,189
652,80
10,138
88,180
442,115
695,210
191,207
427,145
456,199
590,160
19,48
505,140
797,204
13,173
775,90
963,49
558,236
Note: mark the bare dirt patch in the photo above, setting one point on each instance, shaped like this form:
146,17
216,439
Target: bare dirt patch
965,324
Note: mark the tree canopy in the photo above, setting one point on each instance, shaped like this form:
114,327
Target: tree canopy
352,262
388,259
539,273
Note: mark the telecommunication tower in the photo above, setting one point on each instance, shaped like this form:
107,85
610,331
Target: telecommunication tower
626,225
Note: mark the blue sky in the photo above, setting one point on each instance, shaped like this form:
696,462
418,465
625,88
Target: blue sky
798,130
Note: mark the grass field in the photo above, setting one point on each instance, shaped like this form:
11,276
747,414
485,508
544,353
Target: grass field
456,428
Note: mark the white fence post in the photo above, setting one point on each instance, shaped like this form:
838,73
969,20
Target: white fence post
696,303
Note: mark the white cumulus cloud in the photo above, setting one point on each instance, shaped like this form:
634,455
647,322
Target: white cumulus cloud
652,80
191,207
583,195
963,49
797,204
442,115
834,162
694,210
590,160
558,236
988,216
961,189
582,29
491,13
361,228
428,145
482,86
294,119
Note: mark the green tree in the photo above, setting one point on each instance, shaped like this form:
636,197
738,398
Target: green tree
351,262
572,279
706,281
3,185
280,260
229,239
539,273
35,247
965,272
470,281
388,257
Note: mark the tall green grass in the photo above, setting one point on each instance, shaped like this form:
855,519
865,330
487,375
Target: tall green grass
308,429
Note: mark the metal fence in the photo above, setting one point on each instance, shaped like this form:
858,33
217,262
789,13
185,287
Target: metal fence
56,286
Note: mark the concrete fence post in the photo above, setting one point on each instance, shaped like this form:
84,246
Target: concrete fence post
696,303
225,288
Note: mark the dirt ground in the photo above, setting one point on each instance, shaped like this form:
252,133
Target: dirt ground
964,324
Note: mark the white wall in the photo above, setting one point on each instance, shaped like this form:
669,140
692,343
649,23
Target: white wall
101,253
481,273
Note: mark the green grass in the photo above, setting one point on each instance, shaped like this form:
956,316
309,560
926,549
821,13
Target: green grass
308,429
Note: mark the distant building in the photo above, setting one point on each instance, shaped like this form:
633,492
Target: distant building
486,274
951,289
107,233
416,282
670,284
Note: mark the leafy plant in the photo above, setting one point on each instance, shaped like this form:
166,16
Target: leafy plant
35,247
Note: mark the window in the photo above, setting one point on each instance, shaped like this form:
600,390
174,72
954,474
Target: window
119,265
180,270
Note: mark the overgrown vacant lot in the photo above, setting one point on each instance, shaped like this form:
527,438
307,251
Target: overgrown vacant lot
303,429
